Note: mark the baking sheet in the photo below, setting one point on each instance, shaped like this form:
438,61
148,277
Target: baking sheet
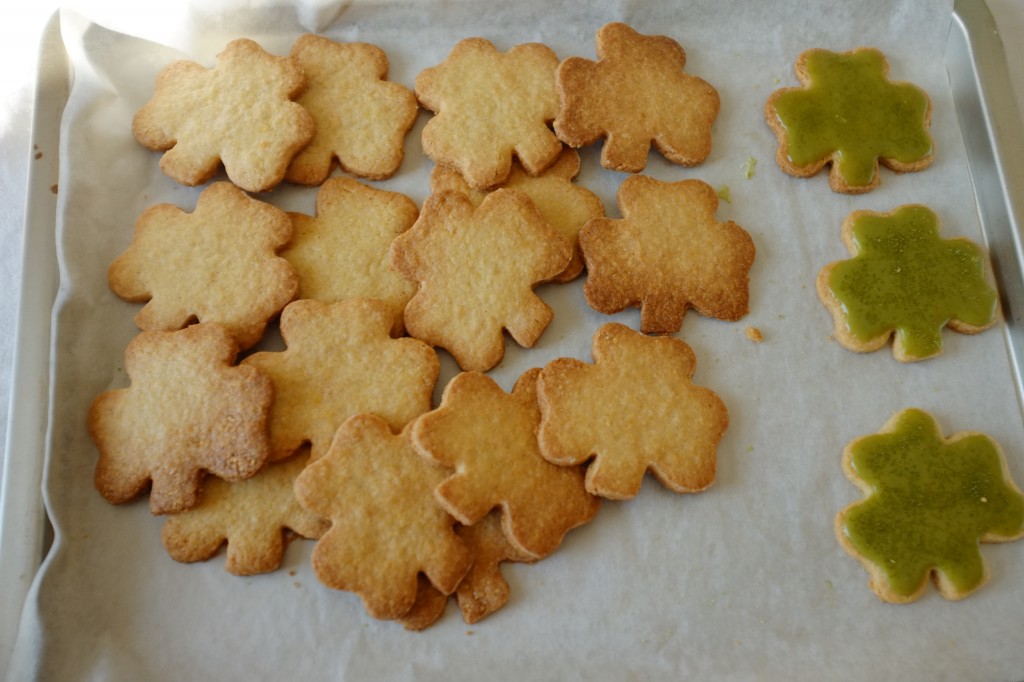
742,581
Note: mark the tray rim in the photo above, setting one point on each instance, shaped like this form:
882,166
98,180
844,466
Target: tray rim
24,527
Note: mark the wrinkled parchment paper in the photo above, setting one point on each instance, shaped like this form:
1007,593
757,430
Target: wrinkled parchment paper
743,581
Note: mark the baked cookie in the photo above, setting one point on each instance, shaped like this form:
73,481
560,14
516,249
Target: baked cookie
386,527
635,409
906,283
255,517
635,94
188,411
484,589
341,361
342,252
361,117
476,269
928,502
848,113
666,254
219,263
489,106
489,438
564,204
240,113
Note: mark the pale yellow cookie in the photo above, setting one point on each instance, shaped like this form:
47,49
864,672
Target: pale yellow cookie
489,106
564,204
635,94
386,527
476,269
188,411
341,361
361,117
240,113
489,438
219,263
254,517
635,409
342,252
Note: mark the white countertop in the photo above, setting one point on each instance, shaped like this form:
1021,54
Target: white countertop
19,39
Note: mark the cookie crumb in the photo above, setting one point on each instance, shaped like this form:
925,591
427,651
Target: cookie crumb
754,334
748,173
724,194
53,189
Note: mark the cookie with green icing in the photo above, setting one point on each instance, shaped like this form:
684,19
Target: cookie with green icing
929,502
905,282
848,113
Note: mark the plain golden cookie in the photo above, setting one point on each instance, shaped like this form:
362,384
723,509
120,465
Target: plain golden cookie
636,93
476,269
490,106
635,409
666,254
489,438
240,113
564,204
341,361
361,117
219,263
342,251
254,517
188,411
386,527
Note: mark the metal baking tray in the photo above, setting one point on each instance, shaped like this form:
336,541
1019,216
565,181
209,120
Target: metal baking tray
991,130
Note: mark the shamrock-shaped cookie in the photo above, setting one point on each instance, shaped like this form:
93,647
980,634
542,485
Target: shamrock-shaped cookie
219,263
906,282
636,408
386,527
341,361
187,411
849,114
489,106
666,254
476,269
253,517
484,589
635,94
240,113
342,252
928,502
489,438
564,204
361,118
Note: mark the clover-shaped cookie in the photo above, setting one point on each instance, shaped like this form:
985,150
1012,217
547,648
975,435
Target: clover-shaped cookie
476,269
489,438
240,113
666,254
928,502
849,114
386,526
361,118
341,361
635,409
635,94
219,263
489,106
188,411
342,252
484,589
906,282
253,517
565,205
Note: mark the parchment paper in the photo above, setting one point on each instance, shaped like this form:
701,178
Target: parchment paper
743,581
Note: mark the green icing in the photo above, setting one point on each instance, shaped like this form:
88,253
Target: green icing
849,108
932,501
906,278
